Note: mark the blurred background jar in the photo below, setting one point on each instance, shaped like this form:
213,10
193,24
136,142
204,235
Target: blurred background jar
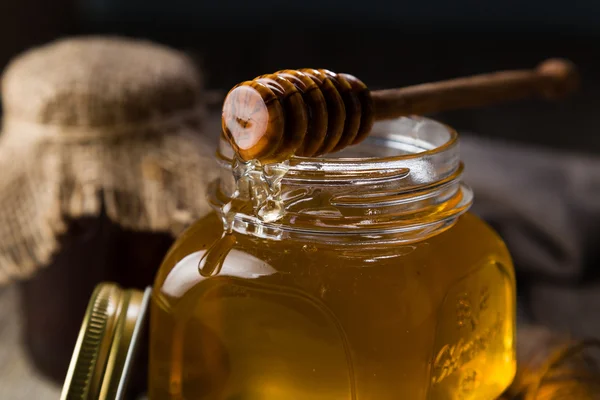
103,160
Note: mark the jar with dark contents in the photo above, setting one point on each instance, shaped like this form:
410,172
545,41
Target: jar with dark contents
102,161
373,280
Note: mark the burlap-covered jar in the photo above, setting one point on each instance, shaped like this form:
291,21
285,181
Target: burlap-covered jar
102,160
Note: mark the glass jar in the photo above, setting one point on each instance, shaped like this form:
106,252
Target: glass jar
376,283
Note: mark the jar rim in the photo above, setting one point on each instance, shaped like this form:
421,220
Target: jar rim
407,186
440,138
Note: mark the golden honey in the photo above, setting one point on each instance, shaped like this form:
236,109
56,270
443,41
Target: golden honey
374,283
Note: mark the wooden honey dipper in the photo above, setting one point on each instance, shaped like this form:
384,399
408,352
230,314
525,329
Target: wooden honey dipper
310,112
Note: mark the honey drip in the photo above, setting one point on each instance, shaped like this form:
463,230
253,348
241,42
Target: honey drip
256,185
212,261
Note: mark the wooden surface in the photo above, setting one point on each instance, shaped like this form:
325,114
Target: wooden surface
18,379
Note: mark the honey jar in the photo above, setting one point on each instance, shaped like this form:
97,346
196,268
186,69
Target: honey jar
359,275
375,282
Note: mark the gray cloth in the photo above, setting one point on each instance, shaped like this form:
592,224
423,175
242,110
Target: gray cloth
546,206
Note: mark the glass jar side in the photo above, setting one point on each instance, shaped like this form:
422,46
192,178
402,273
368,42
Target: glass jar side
375,282
426,319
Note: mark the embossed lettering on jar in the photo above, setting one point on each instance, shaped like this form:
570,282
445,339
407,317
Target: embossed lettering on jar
376,283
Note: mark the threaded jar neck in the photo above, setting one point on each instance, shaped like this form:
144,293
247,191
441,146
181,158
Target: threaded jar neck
401,184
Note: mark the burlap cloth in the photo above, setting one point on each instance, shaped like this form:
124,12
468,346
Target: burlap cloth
98,124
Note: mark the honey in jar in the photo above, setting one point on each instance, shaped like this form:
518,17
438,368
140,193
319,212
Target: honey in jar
356,276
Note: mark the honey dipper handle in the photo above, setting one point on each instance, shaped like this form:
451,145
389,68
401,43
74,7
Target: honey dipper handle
552,79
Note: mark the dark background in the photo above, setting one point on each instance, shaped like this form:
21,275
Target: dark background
385,43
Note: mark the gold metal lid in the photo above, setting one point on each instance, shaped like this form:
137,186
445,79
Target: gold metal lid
106,344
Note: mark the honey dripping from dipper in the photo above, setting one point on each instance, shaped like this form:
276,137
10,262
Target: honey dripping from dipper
312,112
257,191
307,112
